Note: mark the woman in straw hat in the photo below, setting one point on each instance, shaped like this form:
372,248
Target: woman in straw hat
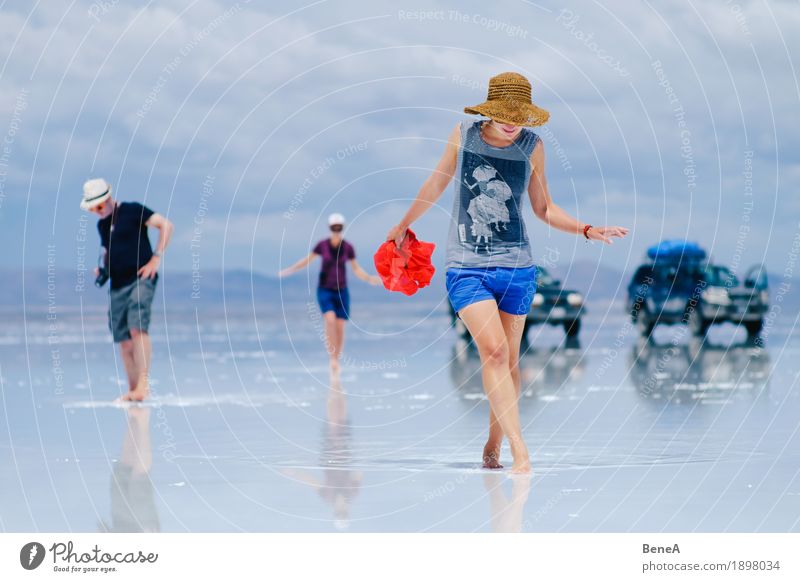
490,277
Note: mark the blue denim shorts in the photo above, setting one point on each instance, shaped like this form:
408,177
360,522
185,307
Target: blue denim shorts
333,300
512,288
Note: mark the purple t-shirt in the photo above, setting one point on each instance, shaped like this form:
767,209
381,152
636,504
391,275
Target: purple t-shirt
333,274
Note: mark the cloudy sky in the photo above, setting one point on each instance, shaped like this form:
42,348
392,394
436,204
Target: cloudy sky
248,123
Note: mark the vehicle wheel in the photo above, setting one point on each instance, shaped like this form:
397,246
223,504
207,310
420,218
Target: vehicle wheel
753,327
697,323
572,328
645,323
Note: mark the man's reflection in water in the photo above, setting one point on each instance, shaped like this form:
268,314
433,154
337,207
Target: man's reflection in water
341,483
507,511
699,370
133,508
543,371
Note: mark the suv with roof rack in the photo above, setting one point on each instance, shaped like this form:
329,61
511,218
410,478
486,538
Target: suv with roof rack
678,285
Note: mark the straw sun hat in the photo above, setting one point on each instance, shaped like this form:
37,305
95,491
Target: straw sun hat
509,101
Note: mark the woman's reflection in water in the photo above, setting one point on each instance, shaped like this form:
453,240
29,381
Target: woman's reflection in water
507,511
133,508
341,483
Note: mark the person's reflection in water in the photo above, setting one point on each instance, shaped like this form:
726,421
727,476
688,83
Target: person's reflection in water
133,508
341,483
507,511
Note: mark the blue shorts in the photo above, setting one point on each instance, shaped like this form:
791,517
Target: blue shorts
334,300
511,287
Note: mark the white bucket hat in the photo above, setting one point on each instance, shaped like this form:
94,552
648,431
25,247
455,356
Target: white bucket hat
94,192
335,218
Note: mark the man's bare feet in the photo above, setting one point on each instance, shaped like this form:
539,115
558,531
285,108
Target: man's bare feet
138,394
491,456
133,396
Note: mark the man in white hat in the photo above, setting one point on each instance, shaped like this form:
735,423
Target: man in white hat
132,266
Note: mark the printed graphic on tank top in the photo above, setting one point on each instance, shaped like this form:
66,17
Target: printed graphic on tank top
488,213
487,228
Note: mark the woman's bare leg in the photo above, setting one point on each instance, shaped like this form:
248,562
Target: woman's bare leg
337,329
340,336
332,339
486,328
513,326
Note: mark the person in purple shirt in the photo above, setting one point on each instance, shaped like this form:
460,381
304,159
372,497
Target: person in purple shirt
332,294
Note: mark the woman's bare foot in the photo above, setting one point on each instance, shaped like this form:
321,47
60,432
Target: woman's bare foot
522,468
519,452
491,456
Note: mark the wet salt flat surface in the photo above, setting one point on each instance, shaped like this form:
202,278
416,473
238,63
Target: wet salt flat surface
246,432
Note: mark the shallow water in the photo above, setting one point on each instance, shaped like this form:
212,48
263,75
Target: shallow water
245,432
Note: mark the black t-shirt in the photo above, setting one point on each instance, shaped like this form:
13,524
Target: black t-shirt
128,246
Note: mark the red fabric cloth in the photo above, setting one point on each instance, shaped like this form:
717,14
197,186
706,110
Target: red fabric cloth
408,268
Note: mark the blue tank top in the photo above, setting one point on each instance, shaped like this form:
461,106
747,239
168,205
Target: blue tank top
486,227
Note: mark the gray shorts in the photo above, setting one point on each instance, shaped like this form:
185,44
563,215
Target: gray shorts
130,308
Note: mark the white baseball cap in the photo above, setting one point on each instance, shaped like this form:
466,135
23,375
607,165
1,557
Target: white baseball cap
335,218
94,192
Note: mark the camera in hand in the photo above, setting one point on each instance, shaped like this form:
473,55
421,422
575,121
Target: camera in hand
102,269
102,276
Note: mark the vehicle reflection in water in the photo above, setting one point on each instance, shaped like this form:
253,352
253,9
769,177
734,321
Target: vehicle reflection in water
699,370
133,507
507,511
543,371
341,484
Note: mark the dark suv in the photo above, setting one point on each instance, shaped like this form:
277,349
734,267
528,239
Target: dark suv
679,285
551,304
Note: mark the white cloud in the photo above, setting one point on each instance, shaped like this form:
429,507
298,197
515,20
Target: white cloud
254,89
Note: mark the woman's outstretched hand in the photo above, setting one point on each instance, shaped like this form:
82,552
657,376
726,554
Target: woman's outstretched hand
397,234
606,233
285,272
